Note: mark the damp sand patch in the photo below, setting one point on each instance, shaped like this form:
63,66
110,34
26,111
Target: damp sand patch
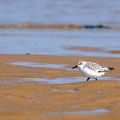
87,49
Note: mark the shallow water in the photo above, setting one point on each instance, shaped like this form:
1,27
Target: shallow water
32,64
63,80
55,42
97,111
64,90
59,12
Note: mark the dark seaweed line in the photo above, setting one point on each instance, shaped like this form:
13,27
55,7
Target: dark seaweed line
66,26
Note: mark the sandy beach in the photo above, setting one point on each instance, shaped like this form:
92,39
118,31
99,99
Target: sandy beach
27,99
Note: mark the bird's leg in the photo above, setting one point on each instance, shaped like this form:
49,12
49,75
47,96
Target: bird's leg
96,79
88,78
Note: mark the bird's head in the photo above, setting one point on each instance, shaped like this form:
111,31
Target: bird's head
80,64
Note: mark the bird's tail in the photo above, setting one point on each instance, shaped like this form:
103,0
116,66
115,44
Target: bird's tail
106,69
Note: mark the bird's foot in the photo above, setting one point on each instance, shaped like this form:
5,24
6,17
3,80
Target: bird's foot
88,78
96,79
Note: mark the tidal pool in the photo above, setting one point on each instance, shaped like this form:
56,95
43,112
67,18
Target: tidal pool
33,64
63,80
73,90
97,111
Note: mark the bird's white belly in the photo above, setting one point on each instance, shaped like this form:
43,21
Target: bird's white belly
90,73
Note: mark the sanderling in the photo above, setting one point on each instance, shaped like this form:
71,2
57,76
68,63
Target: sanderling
91,69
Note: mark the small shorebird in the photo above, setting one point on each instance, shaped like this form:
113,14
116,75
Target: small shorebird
91,69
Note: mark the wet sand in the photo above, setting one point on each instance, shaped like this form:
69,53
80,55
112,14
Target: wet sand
60,26
28,100
88,49
115,51
32,26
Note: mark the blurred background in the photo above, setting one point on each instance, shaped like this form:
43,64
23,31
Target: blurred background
60,12
85,42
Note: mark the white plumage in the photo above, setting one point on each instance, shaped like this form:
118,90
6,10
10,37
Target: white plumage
91,69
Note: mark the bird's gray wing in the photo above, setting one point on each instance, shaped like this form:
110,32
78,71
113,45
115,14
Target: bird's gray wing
94,66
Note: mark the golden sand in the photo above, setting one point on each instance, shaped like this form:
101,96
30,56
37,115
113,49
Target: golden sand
30,100
87,49
115,51
32,26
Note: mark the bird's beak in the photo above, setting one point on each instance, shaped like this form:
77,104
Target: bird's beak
74,67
